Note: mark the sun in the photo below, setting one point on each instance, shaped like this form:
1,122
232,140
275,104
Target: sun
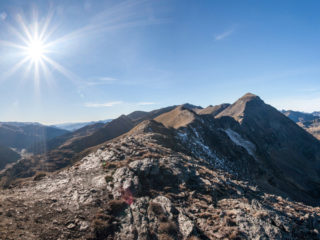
36,50
34,47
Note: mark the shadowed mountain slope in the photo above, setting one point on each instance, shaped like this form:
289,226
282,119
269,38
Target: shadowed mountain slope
299,116
72,136
308,121
77,125
312,127
7,156
285,151
98,133
25,135
214,110
110,130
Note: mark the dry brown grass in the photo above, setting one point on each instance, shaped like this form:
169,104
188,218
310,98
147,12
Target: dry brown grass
116,207
229,222
156,208
176,118
193,238
108,178
39,175
260,214
169,228
205,215
102,226
235,235
151,155
165,237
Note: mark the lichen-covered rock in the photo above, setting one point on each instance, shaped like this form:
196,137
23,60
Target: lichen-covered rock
145,167
186,225
165,203
124,179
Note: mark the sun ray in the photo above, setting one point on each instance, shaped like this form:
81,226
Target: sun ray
17,33
28,69
36,77
71,76
34,42
46,71
14,68
24,27
45,34
11,44
34,46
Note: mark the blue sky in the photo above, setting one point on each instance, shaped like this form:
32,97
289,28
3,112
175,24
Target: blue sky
106,58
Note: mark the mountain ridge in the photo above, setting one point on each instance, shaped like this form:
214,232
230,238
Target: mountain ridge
248,124
180,175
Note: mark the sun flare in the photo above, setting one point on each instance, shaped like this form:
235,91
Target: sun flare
34,47
35,50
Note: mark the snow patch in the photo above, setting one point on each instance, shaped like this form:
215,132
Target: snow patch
238,140
183,136
196,144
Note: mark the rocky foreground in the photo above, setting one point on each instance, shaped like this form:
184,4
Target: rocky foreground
152,183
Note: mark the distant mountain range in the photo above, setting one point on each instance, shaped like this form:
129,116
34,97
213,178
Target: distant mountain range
21,135
308,121
77,125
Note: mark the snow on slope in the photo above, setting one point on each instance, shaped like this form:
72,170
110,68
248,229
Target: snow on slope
238,140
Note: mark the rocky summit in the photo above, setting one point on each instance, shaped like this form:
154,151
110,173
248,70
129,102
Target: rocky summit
232,171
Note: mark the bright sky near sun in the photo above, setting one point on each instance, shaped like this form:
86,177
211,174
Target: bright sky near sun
81,60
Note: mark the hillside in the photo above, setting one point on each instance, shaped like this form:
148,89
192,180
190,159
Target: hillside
68,138
27,135
7,156
64,150
214,110
139,116
179,117
308,121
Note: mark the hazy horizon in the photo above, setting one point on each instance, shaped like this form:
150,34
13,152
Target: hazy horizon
116,116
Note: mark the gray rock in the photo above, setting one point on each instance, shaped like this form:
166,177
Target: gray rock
186,226
145,167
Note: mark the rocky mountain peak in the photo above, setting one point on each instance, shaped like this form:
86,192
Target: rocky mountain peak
246,104
249,97
178,117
